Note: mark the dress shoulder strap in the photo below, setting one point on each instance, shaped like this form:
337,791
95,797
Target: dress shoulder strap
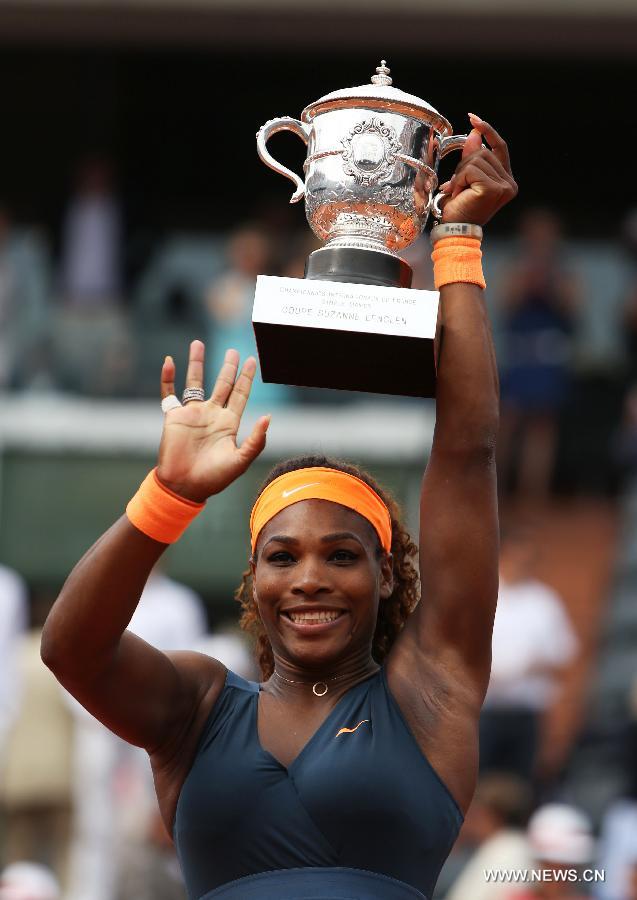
236,681
236,695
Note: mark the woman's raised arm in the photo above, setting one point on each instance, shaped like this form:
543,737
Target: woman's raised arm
140,693
451,628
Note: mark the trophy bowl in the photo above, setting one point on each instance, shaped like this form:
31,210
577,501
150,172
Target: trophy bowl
371,173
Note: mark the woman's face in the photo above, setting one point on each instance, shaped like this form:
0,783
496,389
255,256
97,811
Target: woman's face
318,580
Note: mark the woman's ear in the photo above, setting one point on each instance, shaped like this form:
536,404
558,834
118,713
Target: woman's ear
386,576
253,569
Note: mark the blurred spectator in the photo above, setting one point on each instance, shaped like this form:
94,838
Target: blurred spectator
631,893
229,303
229,646
7,301
92,239
630,308
113,788
561,842
533,641
624,445
618,851
23,313
625,441
170,615
92,338
618,833
13,623
494,825
151,870
539,299
28,881
36,789
93,863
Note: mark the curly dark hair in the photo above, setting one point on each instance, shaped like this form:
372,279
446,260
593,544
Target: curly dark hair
392,613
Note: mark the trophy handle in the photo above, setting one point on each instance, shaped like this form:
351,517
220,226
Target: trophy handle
284,123
447,145
451,143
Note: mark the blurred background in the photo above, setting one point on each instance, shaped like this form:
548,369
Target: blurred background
135,216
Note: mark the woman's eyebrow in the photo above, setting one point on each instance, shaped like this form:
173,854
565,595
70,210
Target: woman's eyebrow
326,539
340,536
280,539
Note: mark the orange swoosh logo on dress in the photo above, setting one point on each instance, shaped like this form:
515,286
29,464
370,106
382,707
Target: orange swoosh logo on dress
352,730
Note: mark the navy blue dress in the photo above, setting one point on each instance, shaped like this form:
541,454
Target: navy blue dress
359,815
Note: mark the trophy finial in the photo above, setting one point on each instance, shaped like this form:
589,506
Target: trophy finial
382,74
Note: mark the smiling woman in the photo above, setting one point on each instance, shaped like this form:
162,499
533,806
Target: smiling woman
392,613
345,772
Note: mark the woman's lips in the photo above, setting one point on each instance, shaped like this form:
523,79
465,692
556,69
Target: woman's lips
309,626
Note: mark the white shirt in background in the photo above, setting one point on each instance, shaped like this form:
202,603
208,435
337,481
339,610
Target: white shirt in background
91,253
170,616
617,850
508,849
232,650
531,631
13,623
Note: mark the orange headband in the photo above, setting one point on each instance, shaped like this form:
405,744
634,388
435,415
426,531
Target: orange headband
319,483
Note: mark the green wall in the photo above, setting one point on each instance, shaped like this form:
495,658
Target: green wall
54,505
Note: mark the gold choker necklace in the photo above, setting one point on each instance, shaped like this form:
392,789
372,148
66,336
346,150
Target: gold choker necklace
319,688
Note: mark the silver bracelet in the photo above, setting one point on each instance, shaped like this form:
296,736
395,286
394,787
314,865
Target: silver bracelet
455,229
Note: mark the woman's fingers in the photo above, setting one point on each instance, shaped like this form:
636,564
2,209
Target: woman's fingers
230,390
241,390
168,377
487,160
497,144
484,159
225,378
473,143
479,166
255,442
194,374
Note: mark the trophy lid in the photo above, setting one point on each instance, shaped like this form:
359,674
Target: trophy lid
381,95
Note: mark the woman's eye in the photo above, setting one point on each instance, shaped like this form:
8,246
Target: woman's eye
281,556
343,556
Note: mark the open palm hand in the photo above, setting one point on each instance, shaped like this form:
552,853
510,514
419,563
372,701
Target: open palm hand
198,454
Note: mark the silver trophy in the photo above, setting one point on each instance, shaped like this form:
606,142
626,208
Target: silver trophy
371,175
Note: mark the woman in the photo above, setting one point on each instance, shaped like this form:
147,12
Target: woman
334,778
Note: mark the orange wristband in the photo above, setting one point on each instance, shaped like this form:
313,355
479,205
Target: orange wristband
457,259
159,512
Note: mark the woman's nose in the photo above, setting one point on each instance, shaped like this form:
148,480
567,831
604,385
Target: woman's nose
310,579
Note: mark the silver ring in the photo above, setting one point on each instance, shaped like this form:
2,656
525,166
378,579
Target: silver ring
192,394
169,402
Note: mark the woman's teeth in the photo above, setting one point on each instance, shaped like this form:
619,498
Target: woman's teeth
319,618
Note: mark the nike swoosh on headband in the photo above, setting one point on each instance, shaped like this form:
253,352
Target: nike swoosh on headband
351,730
301,488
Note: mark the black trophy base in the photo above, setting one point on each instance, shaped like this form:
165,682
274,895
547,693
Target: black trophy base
354,266
346,360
